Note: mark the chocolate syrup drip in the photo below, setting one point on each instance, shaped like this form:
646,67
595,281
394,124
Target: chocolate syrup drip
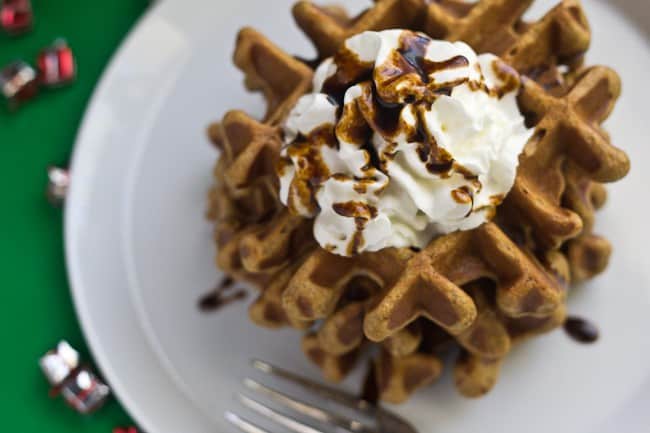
413,51
355,209
463,195
219,297
313,64
357,240
437,160
375,161
335,90
370,389
387,115
581,330
531,119
350,69
362,213
333,102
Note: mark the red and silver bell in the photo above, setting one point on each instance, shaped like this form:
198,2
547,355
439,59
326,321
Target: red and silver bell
18,83
16,16
84,391
58,363
78,385
56,64
58,181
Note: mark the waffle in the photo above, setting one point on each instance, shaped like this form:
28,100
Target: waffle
483,291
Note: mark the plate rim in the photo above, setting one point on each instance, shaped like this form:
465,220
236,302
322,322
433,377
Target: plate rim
121,393
82,151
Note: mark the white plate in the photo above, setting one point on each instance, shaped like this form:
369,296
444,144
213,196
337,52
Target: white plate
140,253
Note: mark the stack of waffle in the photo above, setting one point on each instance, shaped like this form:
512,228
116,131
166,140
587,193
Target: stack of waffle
482,290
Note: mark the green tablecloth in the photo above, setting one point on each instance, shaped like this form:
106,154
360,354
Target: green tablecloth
36,309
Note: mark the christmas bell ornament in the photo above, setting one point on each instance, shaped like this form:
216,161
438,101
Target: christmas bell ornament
56,64
84,391
16,16
78,385
58,181
18,83
58,363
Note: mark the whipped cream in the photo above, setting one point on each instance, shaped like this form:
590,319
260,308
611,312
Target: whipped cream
403,138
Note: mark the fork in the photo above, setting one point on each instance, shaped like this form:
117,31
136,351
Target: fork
385,421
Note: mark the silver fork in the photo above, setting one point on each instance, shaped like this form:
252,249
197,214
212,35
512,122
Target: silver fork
384,420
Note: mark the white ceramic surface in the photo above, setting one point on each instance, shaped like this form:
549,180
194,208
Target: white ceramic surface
140,253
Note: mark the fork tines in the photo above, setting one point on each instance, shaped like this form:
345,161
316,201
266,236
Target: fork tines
322,416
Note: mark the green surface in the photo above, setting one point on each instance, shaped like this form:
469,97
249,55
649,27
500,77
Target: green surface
36,308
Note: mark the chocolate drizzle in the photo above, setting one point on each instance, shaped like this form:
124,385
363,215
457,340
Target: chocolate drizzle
387,105
223,294
355,209
362,213
463,195
374,161
437,160
387,114
370,389
350,69
413,51
311,169
312,63
381,102
409,63
581,330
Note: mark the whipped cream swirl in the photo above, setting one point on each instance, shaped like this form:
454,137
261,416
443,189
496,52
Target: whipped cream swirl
403,138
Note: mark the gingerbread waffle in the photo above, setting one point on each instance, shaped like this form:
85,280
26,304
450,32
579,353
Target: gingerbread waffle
483,290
